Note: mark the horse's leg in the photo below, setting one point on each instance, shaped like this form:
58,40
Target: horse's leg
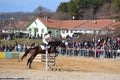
28,61
31,60
22,57
26,52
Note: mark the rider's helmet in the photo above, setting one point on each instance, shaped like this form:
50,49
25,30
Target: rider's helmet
49,32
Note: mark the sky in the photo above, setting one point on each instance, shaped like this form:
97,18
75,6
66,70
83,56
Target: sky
28,5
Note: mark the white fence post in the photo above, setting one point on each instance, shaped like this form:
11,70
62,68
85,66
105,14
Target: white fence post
46,67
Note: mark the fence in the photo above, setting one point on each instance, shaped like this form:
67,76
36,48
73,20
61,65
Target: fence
74,52
91,52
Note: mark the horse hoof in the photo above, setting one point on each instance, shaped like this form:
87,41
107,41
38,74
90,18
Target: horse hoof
55,69
59,69
52,69
18,60
30,68
21,58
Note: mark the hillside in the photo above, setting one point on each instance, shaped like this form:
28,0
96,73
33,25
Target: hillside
16,15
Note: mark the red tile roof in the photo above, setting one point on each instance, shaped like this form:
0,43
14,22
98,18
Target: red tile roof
70,24
96,24
115,25
50,23
61,24
80,24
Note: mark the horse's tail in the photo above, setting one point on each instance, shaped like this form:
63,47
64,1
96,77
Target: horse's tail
26,52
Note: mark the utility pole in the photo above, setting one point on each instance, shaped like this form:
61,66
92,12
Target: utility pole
95,22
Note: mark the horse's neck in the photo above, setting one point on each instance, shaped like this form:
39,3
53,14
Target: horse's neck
55,43
52,43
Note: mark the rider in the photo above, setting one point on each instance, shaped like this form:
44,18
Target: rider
47,38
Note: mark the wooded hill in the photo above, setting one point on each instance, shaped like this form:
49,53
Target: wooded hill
91,9
16,15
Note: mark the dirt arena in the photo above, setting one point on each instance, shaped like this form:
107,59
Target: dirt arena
72,68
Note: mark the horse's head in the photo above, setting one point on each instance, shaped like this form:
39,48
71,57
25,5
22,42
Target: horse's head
60,44
55,44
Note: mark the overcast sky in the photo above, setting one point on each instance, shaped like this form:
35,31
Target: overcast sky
28,5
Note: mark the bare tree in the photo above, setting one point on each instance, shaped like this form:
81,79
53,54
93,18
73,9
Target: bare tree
60,16
88,14
104,11
42,12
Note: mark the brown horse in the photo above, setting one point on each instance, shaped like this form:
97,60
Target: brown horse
38,50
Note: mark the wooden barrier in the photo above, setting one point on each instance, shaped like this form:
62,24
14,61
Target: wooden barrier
42,58
51,60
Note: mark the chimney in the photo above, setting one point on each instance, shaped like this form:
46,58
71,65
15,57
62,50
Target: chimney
73,17
114,20
95,22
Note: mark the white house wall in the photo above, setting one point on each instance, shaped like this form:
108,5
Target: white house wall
39,25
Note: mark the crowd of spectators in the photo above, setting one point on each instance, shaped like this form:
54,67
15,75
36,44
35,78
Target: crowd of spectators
16,47
108,47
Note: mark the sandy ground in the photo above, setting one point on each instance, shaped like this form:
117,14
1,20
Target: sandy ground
72,68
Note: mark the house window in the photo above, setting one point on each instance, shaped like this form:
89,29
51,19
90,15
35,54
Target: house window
30,30
75,30
42,30
63,31
71,31
36,29
66,31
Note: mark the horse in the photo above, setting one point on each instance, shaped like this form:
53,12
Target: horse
38,50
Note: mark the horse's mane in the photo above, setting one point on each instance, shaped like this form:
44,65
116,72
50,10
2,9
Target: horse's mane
53,43
57,43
